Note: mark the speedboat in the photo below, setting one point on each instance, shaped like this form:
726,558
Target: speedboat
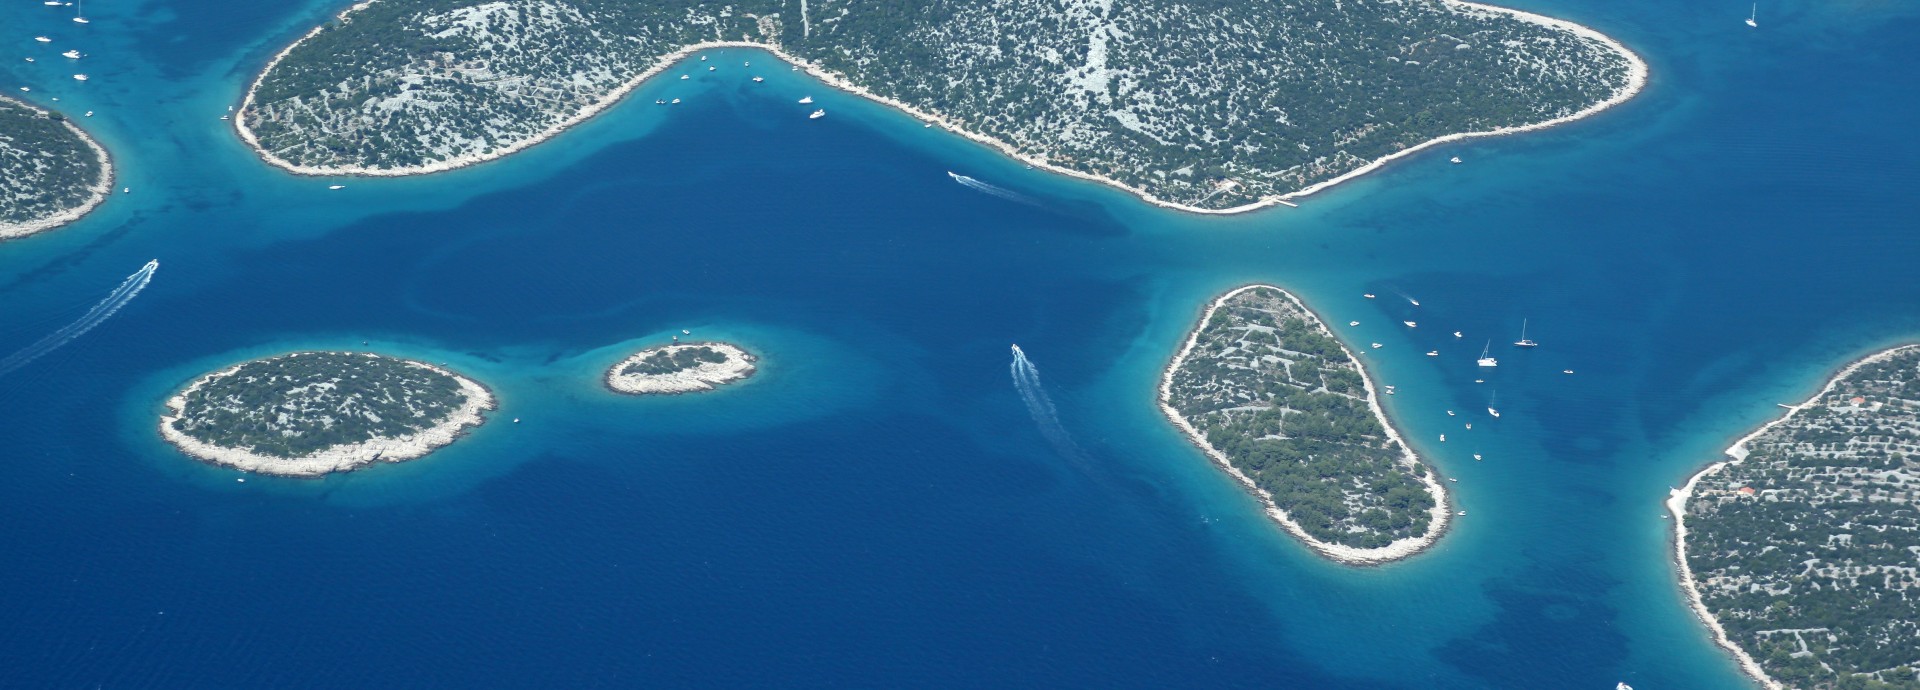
758,79
43,39
1456,160
806,99
1433,353
1449,413
1377,346
336,186
1476,456
71,54
817,114
1353,323
1456,334
1367,295
80,77
1411,324
675,101
684,76
1566,371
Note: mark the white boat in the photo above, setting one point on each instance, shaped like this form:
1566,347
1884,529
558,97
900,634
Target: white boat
1433,353
80,77
336,186
684,331
1456,334
81,20
1367,295
1353,323
43,39
675,101
1476,456
1443,438
1624,686
1449,413
89,113
1390,390
1566,371
659,101
746,64
226,117
711,68
1456,160
80,13
703,58
1750,22
805,100
817,114
1463,513
1523,341
685,76
1411,324
29,59
1377,346
51,3
1469,426
1490,401
23,88
71,54
1486,361
1453,479
1414,301
758,79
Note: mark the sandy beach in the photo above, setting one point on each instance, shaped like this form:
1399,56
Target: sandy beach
337,458
1677,506
1438,518
100,190
1636,80
704,377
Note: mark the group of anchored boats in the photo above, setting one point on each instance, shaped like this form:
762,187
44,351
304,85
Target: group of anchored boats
1486,360
816,114
79,17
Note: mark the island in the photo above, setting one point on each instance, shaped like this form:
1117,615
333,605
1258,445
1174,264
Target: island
1266,391
680,368
1800,549
1209,107
51,172
306,414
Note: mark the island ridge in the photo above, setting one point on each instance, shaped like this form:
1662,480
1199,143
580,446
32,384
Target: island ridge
680,368
1207,108
1264,388
306,414
1799,550
51,172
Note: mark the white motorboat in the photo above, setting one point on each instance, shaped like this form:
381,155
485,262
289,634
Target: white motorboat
817,114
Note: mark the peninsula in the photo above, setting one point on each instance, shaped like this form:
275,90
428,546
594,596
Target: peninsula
1799,550
1204,108
1264,388
306,414
51,173
680,368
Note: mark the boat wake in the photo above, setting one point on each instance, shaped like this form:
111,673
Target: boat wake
983,187
100,312
1026,380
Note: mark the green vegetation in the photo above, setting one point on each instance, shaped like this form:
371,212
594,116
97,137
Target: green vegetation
1271,390
1806,551
664,362
45,166
1178,99
299,404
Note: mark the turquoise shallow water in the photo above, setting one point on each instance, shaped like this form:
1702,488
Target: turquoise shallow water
876,508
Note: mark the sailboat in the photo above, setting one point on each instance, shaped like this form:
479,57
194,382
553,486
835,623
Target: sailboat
1490,401
1485,360
1523,341
1753,16
79,14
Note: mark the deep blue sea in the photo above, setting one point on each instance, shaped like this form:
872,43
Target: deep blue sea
876,508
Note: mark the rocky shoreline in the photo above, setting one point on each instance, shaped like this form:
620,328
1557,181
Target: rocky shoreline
706,376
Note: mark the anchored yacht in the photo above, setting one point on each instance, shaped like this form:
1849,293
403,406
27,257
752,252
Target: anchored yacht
1523,341
1485,360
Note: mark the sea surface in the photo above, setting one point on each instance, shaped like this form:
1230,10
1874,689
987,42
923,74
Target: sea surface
877,508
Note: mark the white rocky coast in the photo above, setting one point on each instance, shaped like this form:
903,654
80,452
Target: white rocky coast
307,414
680,368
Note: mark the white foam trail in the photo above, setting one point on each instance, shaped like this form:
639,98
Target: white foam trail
1026,380
94,317
979,186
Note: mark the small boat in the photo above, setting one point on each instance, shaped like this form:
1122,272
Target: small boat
758,79
51,3
926,125
1390,390
1624,686
659,101
23,88
1353,323
1469,425
746,64
1490,401
703,58
338,186
226,117
82,77
1433,353
1452,479
1751,21
125,190
29,59
516,420
1479,380
1443,438
817,114
684,331
1377,346
675,101
1411,324
1456,334
1455,161
1566,371
1415,302
1449,413
89,113
43,39
81,20
805,100
711,68
1367,295
1476,456
1485,360
71,54
1523,341
684,76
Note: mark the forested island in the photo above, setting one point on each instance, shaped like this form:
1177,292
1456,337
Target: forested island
680,368
51,173
1264,389
306,414
1802,550
1207,106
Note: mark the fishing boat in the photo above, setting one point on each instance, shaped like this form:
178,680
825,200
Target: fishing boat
1485,360
817,114
1750,22
1523,341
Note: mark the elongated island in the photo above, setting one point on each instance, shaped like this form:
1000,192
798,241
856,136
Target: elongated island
1201,107
305,414
680,368
51,172
1266,391
1801,550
